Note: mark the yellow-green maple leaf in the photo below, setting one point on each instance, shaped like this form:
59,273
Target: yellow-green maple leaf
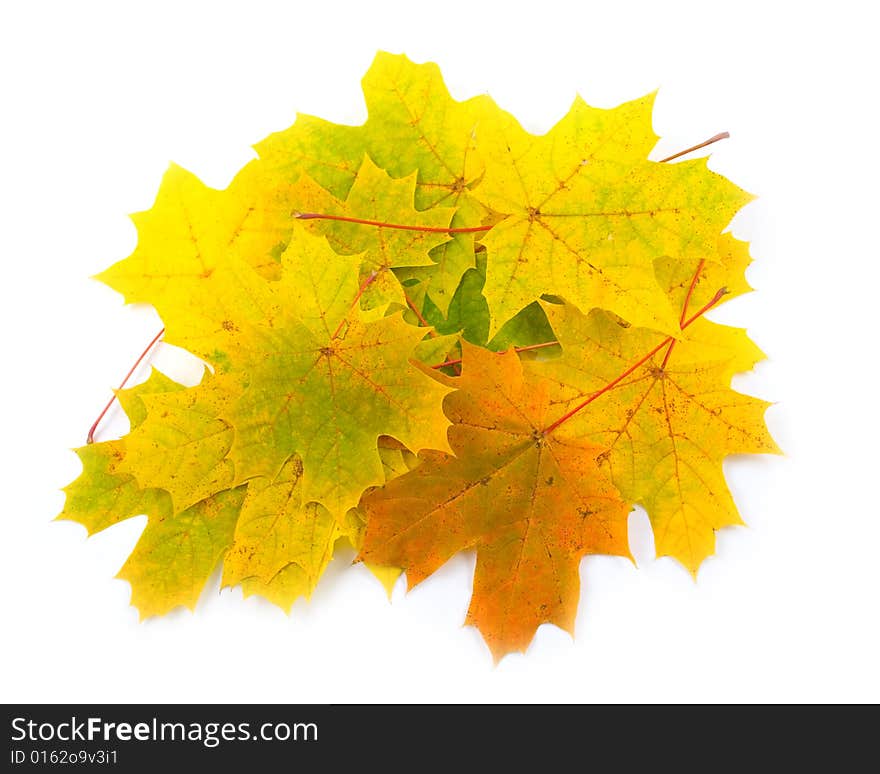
667,428
103,495
329,153
278,532
283,544
413,126
376,196
310,375
181,445
271,542
324,383
178,549
586,219
176,555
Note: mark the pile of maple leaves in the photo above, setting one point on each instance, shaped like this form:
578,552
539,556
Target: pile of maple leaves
431,333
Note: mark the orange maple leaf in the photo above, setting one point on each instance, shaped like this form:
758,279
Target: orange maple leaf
531,504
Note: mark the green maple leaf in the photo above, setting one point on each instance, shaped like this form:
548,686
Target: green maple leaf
413,126
376,196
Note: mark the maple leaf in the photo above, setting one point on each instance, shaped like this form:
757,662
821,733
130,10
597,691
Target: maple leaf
531,504
176,555
196,243
586,218
282,544
668,425
181,444
315,376
102,495
376,196
271,542
413,126
324,383
178,550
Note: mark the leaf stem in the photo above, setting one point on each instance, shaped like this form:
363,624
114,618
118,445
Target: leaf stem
565,417
705,308
364,285
710,141
530,347
90,438
445,363
465,229
384,224
684,308
422,320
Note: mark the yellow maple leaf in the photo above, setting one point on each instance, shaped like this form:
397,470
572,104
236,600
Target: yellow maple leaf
194,243
668,425
587,219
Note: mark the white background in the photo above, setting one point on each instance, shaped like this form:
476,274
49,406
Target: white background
97,98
